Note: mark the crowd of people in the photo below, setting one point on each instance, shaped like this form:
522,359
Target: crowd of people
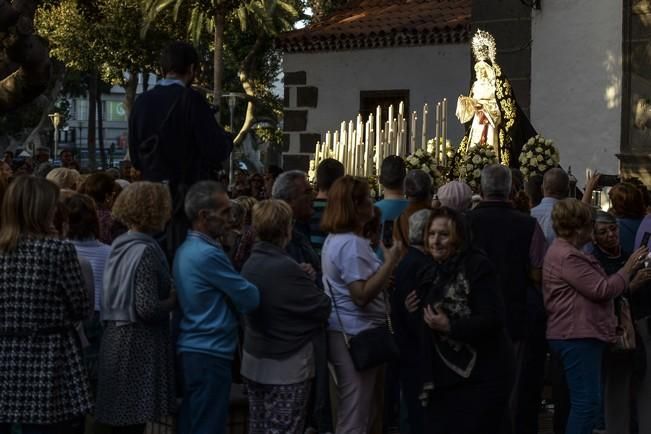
274,293
433,310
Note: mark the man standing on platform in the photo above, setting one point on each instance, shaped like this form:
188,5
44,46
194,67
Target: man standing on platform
173,135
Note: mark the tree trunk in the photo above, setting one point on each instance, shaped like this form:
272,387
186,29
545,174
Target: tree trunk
145,81
130,88
58,72
100,126
218,59
92,108
246,67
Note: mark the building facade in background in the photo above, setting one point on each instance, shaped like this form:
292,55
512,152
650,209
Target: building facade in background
580,69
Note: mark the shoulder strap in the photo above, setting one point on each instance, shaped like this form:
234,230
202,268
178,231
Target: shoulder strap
171,110
334,305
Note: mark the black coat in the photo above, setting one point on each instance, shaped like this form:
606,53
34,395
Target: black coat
483,329
190,143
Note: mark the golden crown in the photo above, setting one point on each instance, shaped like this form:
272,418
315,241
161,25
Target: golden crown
483,46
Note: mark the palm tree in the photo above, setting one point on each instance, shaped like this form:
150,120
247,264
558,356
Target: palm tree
269,16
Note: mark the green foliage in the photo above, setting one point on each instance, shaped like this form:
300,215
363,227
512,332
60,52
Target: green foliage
267,16
104,36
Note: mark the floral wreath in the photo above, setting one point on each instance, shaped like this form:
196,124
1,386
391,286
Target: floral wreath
472,163
538,156
425,161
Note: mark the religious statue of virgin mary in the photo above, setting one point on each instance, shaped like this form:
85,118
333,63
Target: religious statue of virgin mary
491,112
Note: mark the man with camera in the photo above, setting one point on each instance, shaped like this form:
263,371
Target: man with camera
173,135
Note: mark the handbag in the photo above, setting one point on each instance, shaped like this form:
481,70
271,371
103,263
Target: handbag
369,348
625,330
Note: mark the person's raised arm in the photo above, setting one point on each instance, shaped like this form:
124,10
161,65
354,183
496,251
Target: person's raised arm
590,187
364,291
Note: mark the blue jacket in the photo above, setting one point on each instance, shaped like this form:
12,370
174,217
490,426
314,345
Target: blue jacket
208,289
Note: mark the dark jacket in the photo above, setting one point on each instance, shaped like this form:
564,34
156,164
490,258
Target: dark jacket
505,234
483,329
190,144
407,280
292,308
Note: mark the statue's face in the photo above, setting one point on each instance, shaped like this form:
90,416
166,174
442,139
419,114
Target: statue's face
481,72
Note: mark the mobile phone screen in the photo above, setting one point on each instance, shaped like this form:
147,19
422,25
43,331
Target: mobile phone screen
645,239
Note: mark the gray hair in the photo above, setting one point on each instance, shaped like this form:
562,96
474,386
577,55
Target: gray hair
496,182
201,196
556,183
417,225
418,184
285,187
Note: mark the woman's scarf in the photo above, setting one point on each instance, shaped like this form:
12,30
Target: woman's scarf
446,287
118,296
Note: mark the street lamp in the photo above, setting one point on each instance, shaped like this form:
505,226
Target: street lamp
232,100
56,121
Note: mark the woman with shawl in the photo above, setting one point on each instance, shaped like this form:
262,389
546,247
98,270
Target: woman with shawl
466,357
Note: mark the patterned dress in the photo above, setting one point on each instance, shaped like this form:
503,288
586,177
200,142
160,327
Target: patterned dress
42,298
136,377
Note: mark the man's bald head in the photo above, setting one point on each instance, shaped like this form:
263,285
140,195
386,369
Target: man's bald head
556,184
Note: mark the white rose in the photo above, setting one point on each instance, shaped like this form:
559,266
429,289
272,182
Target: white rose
529,155
524,171
550,162
469,167
476,159
539,158
533,162
548,142
425,169
476,173
548,152
542,168
539,150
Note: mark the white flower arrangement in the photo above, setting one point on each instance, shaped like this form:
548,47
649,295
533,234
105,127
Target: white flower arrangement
426,162
538,156
473,162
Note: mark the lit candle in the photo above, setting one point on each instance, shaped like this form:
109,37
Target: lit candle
412,142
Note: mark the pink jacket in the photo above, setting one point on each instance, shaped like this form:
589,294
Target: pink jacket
578,294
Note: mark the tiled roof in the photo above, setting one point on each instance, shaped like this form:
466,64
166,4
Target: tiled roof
384,23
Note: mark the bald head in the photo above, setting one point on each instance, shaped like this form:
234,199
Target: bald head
556,184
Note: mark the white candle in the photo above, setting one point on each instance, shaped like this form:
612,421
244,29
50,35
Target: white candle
437,137
367,149
423,139
444,130
412,142
317,152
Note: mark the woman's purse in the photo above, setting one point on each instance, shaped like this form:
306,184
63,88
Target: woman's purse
625,330
369,348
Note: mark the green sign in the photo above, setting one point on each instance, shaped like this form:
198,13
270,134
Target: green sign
116,111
